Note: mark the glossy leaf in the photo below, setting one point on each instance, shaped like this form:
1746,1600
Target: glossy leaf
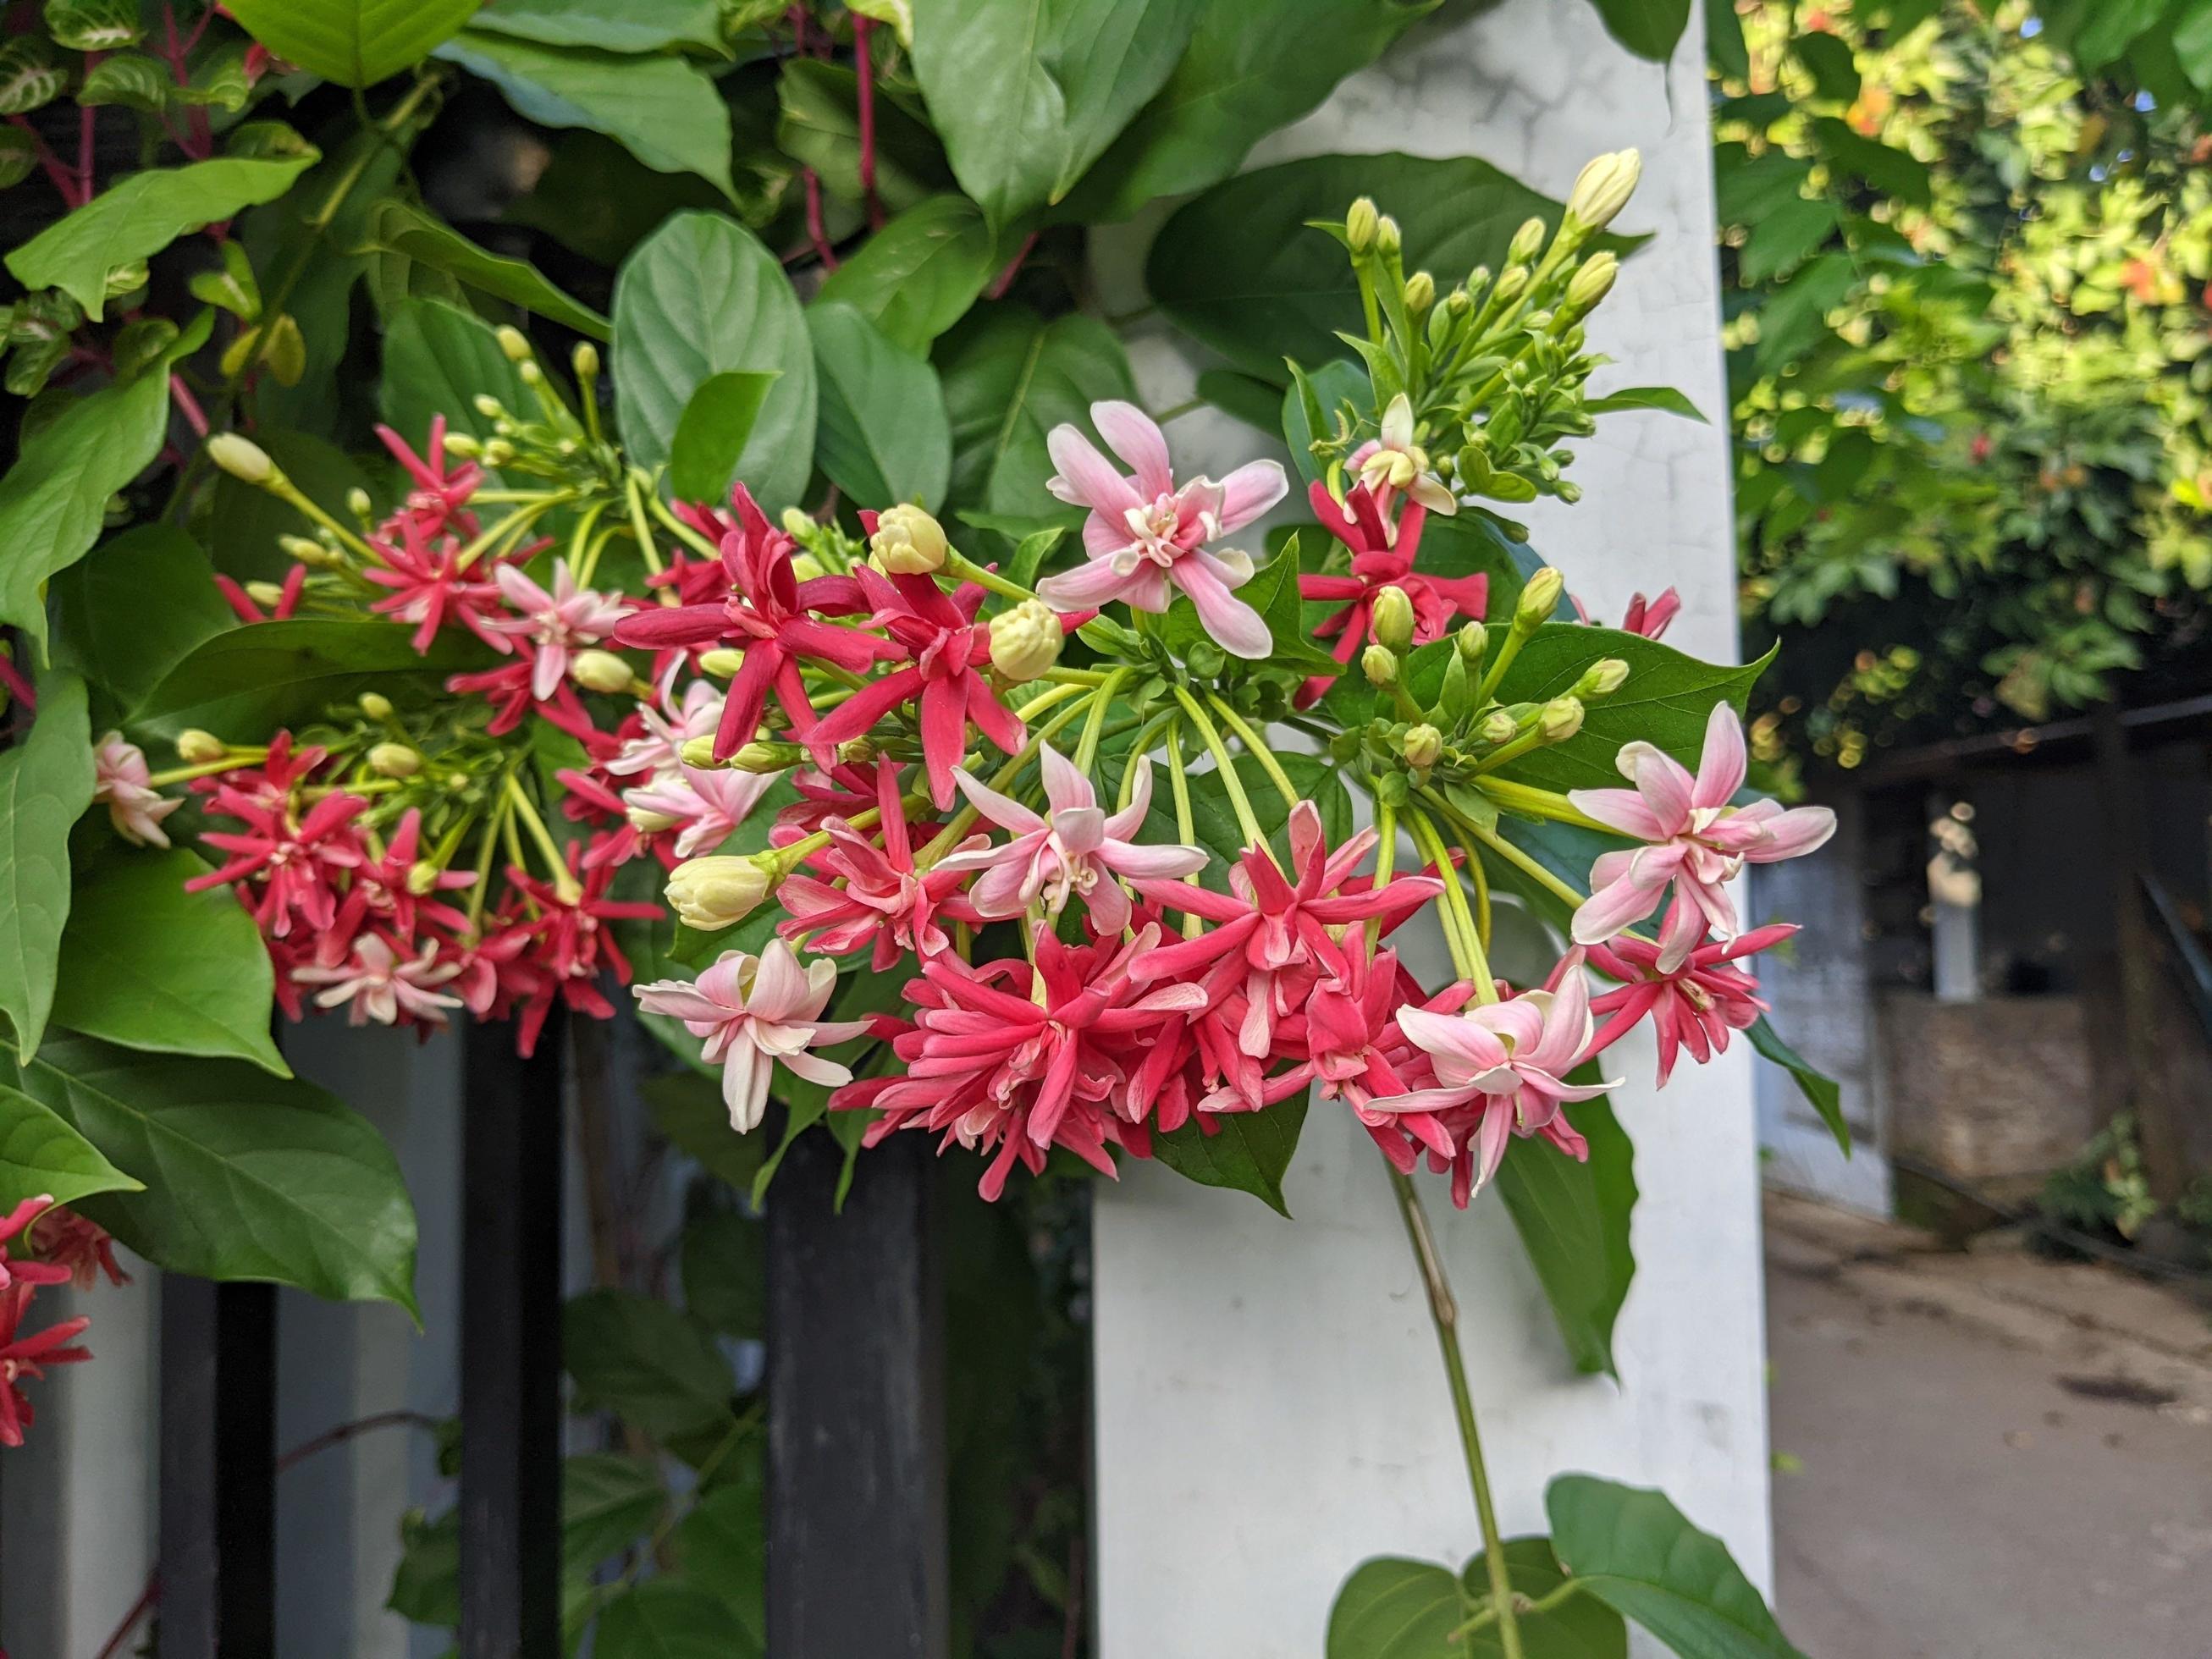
146,965
246,522
356,43
438,360
664,111
722,1544
666,1619
250,1176
1665,398
1009,379
1028,93
882,436
651,1364
139,606
1392,1608
402,227
41,1153
1649,28
1580,1627
46,782
1573,1218
137,218
818,125
610,25
1821,1091
1251,1153
919,275
1636,1552
700,297
712,431
1312,404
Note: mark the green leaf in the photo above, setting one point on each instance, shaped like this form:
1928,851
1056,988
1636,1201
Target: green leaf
722,1545
31,75
1278,288
1634,1551
1028,93
608,1502
882,436
149,966
1662,397
246,522
1794,318
135,218
651,1365
688,1109
610,25
1010,377
2192,41
438,359
1252,68
2109,26
1829,60
1573,1218
247,683
1785,238
702,296
665,1620
711,433
1891,171
139,606
1251,1153
664,111
46,782
356,43
41,1153
1821,1091
251,1176
725,1272
1255,403
1578,1628
402,227
1310,406
818,125
1394,1608
919,275
1724,44
1649,28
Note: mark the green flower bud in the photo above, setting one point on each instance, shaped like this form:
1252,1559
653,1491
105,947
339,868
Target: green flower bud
462,444
908,542
1539,599
600,670
1379,664
697,752
376,705
721,662
1025,640
585,359
394,760
243,459
1498,727
1394,618
858,751
1560,719
423,877
1387,239
1601,678
1420,292
1422,746
515,343
1511,285
358,503
498,453
1603,188
1473,643
718,891
1528,242
1361,224
310,552
197,748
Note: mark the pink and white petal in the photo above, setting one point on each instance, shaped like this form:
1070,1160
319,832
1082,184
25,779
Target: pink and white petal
1681,933
1065,787
1086,478
1250,490
1090,585
1002,810
1004,890
815,1069
1146,861
1721,768
1108,904
1659,779
1624,810
1800,830
1453,1037
780,985
1614,906
1137,438
1081,829
1235,626
1125,823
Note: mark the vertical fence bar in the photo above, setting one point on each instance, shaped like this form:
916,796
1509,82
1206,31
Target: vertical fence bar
218,1506
856,1487
510,1502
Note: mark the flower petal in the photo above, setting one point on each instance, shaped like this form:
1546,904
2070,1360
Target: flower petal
1137,438
1086,477
1721,770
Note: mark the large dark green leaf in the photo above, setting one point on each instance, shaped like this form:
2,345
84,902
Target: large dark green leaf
610,25
438,360
1394,1608
401,227
250,681
664,111
1634,1551
148,965
1251,1153
1028,93
46,782
1253,66
248,1176
722,1545
1820,1090
725,1275
1009,379
882,436
41,1153
917,276
135,609
665,1620
1278,289
135,218
1649,28
701,296
1578,1628
712,433
818,125
353,42
651,1365
1573,1218
608,1502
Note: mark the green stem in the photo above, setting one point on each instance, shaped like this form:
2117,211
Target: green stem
1102,698
1179,786
683,532
961,568
1531,802
1488,1616
1259,751
564,884
1386,861
1459,932
1509,649
1444,1314
1247,822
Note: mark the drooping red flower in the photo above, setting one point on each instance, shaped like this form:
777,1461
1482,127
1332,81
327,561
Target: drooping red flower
81,1248
1355,1051
1650,617
1378,562
1695,1006
26,1357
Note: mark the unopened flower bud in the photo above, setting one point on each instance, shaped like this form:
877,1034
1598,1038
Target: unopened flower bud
1420,292
798,523
243,459
647,821
1604,189
1387,239
1601,678
1498,727
586,361
490,407
358,503
266,594
395,759
804,568
1025,641
423,877
1539,599
1560,719
1379,664
498,453
1361,224
908,542
1473,643
1512,284
1593,282
462,444
858,751
722,662
529,373
1394,618
761,756
197,748
1422,746
1528,242
600,670
1459,303
718,891
376,705
310,552
514,342
697,752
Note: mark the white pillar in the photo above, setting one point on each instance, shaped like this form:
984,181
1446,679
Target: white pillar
1270,1407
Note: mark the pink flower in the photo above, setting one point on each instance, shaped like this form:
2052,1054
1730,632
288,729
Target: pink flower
1356,1049
1697,842
873,896
294,862
1394,463
249,609
23,1356
1074,848
1650,617
1146,538
659,747
1695,1006
755,1013
81,1248
570,942
381,985
557,624
703,807
121,777
1382,557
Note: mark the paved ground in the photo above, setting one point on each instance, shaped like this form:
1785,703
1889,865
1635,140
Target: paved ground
1994,1455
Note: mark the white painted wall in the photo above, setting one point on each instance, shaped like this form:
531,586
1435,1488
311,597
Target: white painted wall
1270,1407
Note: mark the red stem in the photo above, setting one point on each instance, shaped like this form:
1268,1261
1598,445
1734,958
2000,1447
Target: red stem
1004,279
18,686
345,1432
862,27
139,1609
188,405
59,175
817,231
86,124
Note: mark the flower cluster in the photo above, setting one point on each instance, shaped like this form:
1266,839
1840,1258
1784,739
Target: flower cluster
65,1249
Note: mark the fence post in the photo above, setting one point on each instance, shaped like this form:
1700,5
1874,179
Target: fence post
857,1559
511,1141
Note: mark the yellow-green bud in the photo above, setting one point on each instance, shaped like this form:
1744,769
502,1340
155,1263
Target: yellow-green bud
857,751
358,503
1361,224
1422,746
462,444
268,593
1459,303
1379,664
1601,678
721,662
1512,284
1604,189
423,877
600,670
805,567
1498,727
798,523
394,760
585,359
490,407
647,821
1394,618
762,758
1420,292
376,705
1560,719
1473,643
908,542
309,551
498,453
514,342
1528,242
529,373
1539,599
1387,239
1025,641
718,891
243,459
197,748
1593,282
698,752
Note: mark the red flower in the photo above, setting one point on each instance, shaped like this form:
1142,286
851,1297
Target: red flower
384,891
288,597
570,942
284,867
23,1356
1438,601
1694,1007
81,1248
512,694
873,896
1355,1052
1650,617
